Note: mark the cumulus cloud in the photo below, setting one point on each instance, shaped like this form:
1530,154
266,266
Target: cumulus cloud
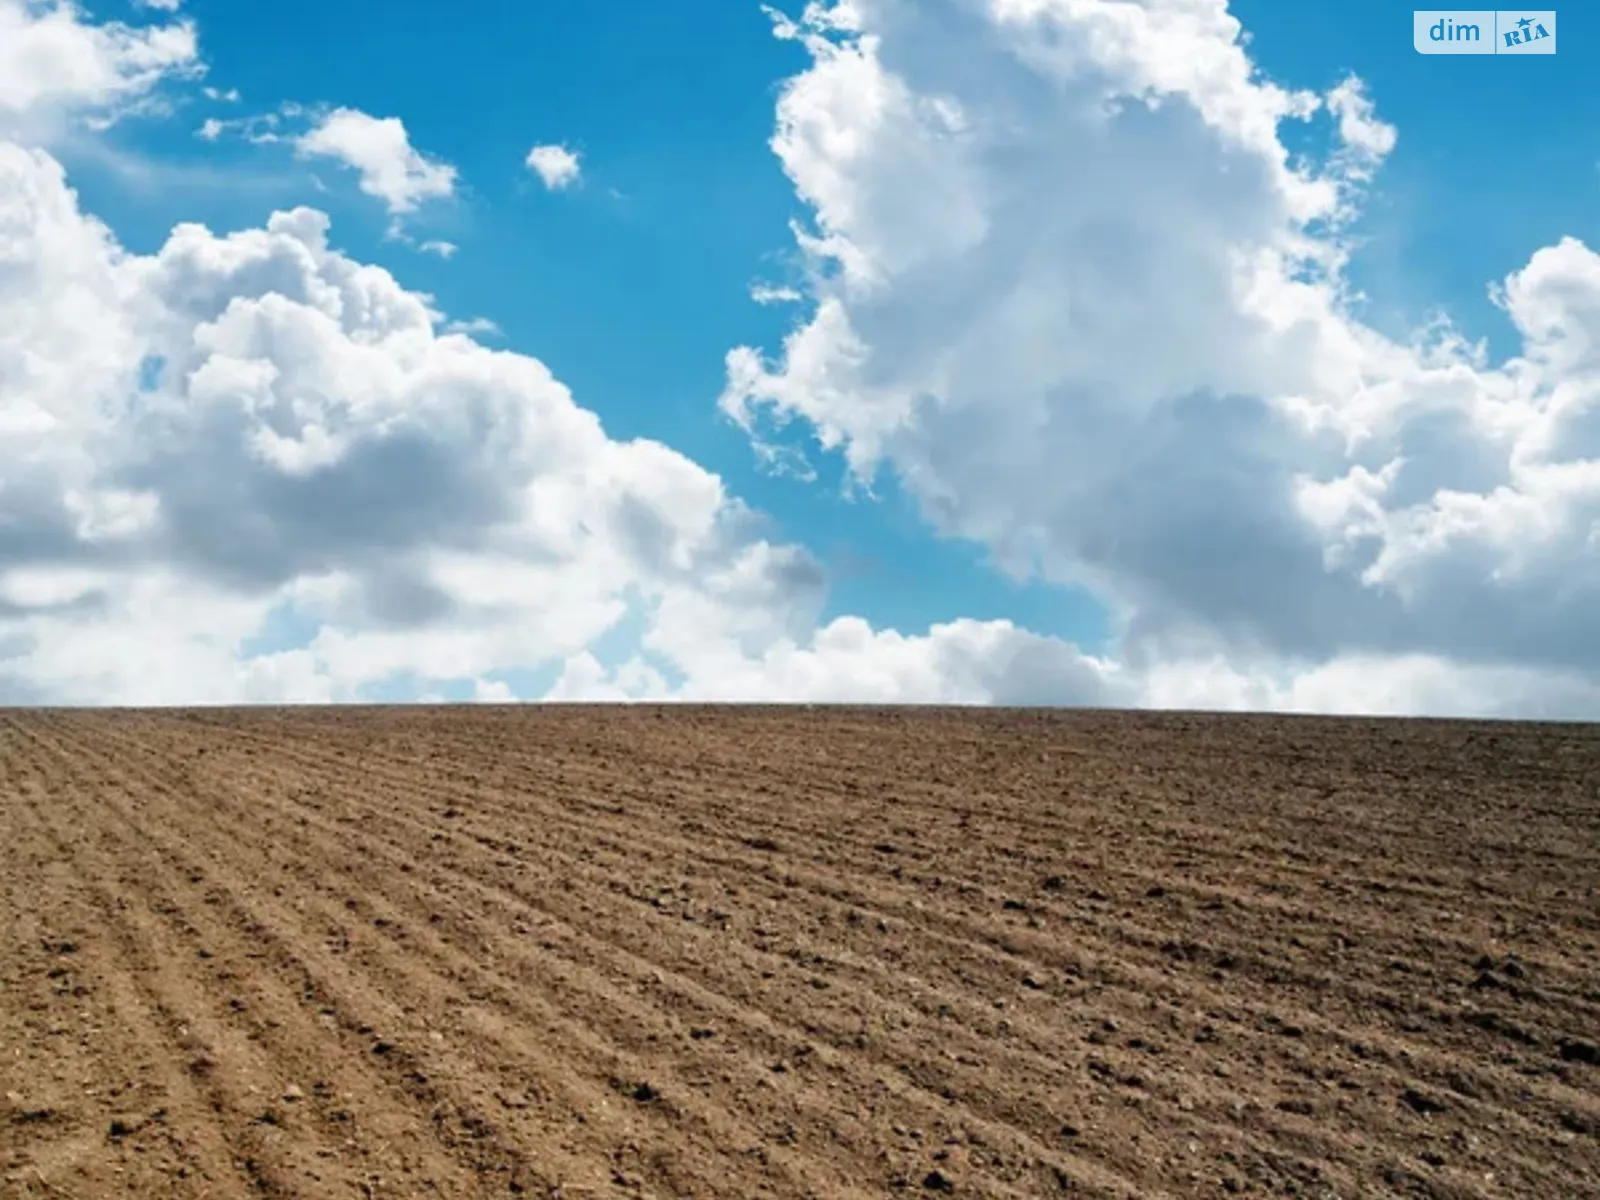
555,165
379,148
848,661
276,474
264,430
273,434
54,64
1070,287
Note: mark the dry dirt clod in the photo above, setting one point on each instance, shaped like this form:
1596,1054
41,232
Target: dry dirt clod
1575,1122
124,1126
1421,1102
1580,1052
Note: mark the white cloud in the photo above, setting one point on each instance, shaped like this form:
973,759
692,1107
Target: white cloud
442,248
482,325
1359,127
1068,285
557,166
223,96
54,65
262,129
162,5
379,148
766,293
491,691
962,662
308,446
1397,685
265,433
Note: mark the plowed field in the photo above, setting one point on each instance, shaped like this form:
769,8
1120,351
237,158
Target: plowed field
795,952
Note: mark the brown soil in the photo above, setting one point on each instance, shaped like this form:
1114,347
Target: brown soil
795,952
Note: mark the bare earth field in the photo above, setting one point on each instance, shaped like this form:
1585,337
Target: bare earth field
795,952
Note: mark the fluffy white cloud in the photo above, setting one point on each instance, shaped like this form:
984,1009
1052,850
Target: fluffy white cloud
313,448
767,293
847,661
275,474
379,148
53,63
1364,136
1070,287
555,165
265,430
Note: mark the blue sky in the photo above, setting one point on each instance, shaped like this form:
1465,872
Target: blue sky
682,208
633,284
1491,157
